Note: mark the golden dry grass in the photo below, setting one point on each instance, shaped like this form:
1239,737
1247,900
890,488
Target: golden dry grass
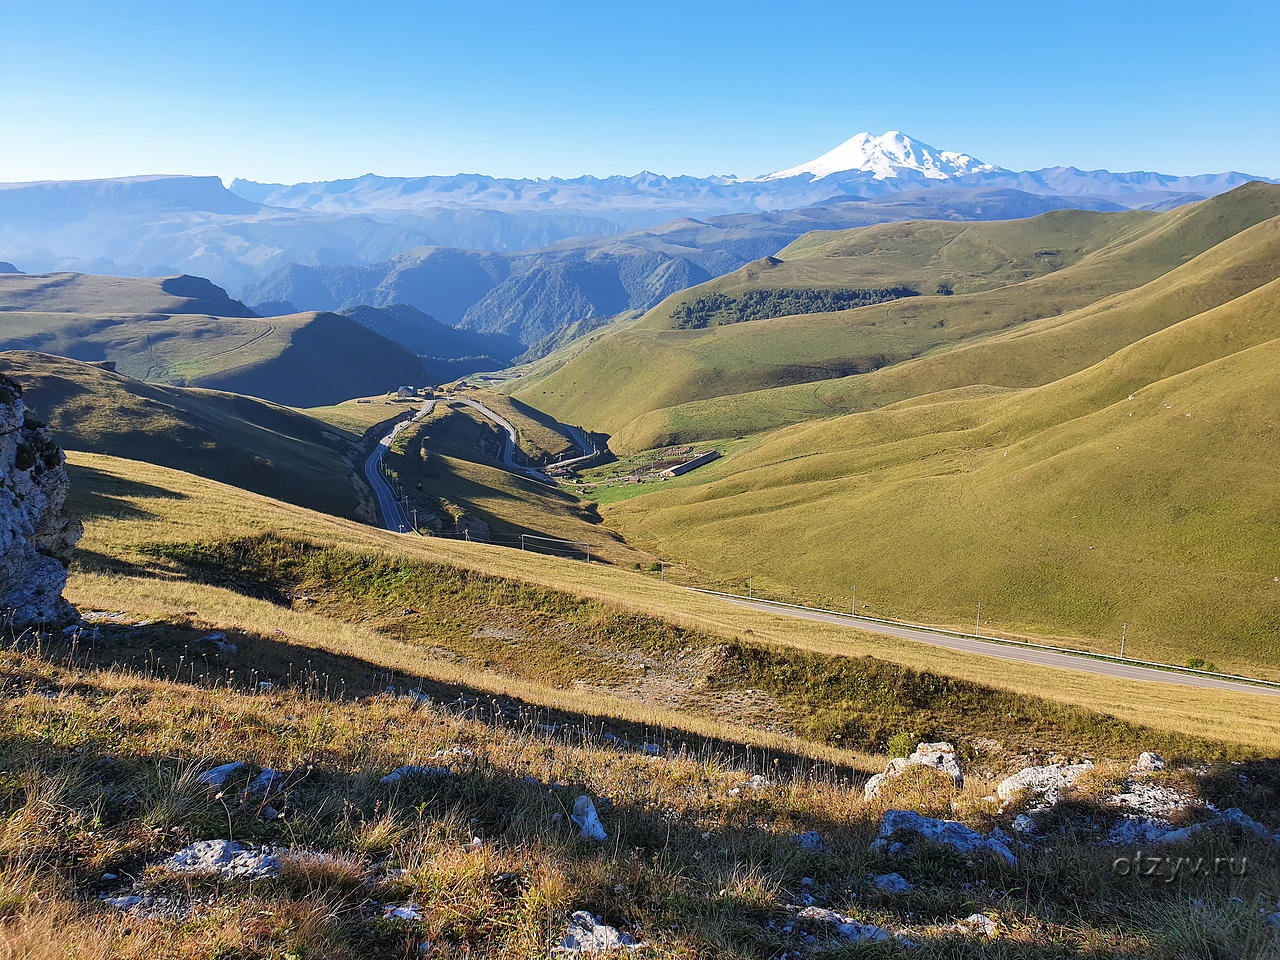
132,503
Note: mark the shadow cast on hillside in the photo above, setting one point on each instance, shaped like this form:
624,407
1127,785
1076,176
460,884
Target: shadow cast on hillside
184,652
96,494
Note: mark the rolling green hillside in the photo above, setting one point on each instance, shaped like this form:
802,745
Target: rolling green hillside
269,449
1019,272
1140,490
153,333
1032,353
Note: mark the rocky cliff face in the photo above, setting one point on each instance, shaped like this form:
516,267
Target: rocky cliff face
36,534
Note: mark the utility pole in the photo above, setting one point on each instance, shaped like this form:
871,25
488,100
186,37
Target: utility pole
415,519
1124,628
853,604
978,622
749,579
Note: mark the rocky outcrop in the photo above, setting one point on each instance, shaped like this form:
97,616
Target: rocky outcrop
36,534
587,935
1149,763
935,756
1044,783
906,824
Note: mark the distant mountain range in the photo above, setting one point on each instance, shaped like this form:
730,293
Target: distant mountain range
863,166
523,258
529,295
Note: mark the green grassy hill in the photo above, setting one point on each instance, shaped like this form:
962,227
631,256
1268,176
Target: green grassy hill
1140,490
153,332
1031,353
1073,260
254,444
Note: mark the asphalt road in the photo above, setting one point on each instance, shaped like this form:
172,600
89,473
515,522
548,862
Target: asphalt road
1044,658
509,448
393,517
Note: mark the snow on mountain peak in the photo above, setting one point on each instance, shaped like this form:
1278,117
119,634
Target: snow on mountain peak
885,157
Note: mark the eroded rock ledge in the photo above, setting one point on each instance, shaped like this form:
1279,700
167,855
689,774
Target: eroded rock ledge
36,533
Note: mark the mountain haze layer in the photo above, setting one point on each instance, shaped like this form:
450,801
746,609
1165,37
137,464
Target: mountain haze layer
533,294
152,225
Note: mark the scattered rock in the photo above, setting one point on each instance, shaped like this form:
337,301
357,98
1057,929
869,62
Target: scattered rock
1148,830
1149,763
1046,783
454,753
145,903
231,861
586,934
809,840
219,775
1024,824
848,927
892,883
588,821
266,783
947,833
219,640
978,923
1154,799
407,912
935,756
413,772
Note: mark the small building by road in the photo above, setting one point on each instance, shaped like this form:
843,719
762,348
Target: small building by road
699,461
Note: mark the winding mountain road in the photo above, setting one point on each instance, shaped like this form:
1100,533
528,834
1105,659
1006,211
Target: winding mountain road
393,517
509,448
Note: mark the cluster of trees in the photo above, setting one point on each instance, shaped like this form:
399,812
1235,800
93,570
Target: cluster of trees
718,308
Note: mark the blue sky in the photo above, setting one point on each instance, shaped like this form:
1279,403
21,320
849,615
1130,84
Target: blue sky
283,91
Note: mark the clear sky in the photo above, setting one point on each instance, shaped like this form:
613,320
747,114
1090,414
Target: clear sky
320,90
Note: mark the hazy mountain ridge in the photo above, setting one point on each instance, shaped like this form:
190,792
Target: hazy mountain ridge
530,295
588,247
163,330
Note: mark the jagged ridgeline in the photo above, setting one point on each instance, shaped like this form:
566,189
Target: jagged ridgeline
715,309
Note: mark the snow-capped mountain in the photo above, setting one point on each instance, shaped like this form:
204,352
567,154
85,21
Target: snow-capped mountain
886,157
